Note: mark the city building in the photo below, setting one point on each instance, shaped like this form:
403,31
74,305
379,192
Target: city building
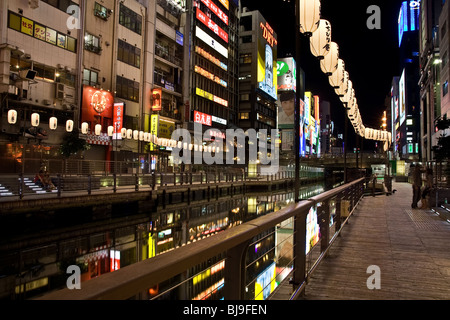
407,118
430,74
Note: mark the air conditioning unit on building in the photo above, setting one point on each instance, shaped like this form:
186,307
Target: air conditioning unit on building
60,94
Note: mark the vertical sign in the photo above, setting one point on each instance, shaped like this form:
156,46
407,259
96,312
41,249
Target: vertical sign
156,99
154,122
118,120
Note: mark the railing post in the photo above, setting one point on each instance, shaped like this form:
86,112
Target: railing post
21,186
174,179
114,182
299,275
325,225
59,185
136,185
234,273
89,184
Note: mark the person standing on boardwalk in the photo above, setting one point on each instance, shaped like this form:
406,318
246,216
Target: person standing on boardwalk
417,185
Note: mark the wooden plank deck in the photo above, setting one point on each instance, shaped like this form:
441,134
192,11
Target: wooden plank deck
410,246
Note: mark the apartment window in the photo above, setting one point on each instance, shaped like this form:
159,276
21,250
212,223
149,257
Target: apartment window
66,78
444,59
445,88
130,19
90,77
44,72
245,97
129,54
101,11
245,58
60,4
92,43
127,89
244,116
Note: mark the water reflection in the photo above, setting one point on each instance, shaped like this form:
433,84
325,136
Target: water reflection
36,261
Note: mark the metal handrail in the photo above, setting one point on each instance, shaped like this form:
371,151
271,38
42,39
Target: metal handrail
130,281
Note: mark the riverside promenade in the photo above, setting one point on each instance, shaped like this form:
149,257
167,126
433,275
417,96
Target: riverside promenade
411,247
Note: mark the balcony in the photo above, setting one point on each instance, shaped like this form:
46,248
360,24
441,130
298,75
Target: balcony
166,83
163,52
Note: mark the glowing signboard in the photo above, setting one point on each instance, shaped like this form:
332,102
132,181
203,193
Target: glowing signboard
202,118
206,38
267,59
210,76
212,25
216,10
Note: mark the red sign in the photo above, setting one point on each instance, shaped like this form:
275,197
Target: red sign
156,99
97,107
118,117
268,34
216,10
212,25
203,118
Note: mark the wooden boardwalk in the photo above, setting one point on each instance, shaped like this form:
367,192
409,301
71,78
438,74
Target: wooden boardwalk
410,246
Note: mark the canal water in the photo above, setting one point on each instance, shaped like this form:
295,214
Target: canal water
36,249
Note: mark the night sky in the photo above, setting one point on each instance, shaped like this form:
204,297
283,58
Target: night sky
371,56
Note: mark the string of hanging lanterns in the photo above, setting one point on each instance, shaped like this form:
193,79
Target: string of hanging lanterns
124,133
327,51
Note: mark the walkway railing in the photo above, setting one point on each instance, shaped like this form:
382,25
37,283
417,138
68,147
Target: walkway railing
245,262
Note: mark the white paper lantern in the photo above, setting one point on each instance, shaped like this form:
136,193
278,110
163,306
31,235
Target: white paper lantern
191,146
146,137
35,119
84,128
348,94
136,135
123,132
53,123
98,129
309,16
343,85
110,131
129,133
321,39
69,125
329,63
195,147
337,77
141,135
12,116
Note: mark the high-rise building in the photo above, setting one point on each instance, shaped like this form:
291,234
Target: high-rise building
407,124
430,74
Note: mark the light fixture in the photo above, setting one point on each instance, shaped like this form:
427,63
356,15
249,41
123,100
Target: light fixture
110,131
53,123
123,132
98,129
309,16
84,128
141,135
69,125
329,63
35,119
129,134
321,39
136,135
12,116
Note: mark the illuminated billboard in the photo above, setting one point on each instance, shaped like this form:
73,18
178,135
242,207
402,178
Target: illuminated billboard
267,59
408,19
312,229
402,97
97,108
286,72
266,283
308,106
286,110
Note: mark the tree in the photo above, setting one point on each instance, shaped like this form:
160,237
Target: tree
72,144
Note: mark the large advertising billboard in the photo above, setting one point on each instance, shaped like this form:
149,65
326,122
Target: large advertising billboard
267,59
97,108
408,19
402,97
287,76
286,110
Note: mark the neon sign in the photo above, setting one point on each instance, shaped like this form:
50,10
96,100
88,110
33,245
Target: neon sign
216,10
268,34
210,76
212,25
211,97
203,118
211,58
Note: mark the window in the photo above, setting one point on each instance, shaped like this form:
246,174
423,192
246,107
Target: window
101,11
245,97
244,116
44,72
127,89
66,78
130,19
245,58
129,54
60,4
445,88
92,43
90,78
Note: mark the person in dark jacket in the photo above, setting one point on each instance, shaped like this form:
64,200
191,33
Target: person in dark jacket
416,185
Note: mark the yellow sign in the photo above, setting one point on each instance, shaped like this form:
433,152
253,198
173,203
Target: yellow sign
225,3
154,121
166,128
27,26
39,32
